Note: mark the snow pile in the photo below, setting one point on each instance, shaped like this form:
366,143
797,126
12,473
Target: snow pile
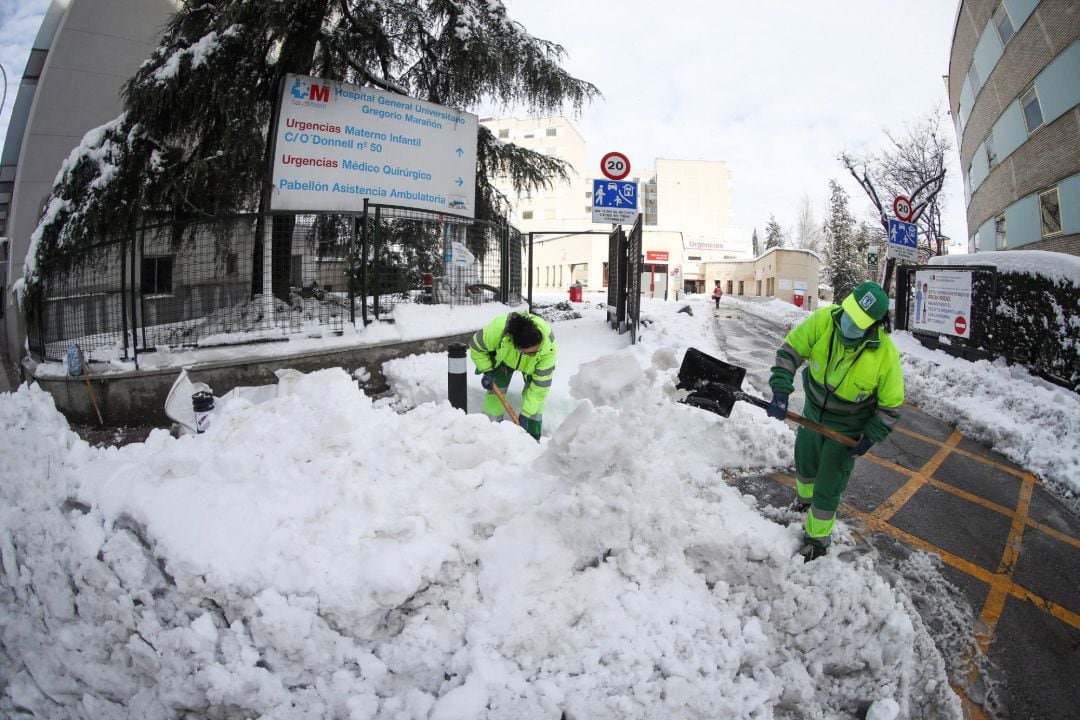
1054,266
322,555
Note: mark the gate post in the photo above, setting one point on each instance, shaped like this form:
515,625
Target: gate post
531,272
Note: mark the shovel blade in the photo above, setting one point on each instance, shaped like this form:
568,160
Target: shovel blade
699,370
712,382
717,400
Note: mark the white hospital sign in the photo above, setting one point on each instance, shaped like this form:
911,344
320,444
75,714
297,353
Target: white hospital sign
337,144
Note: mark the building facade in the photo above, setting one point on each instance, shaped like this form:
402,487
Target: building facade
783,273
1014,94
685,206
83,54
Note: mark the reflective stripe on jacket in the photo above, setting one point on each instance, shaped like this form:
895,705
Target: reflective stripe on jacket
853,390
492,346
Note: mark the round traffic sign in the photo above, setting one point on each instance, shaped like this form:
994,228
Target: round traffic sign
960,325
615,166
902,207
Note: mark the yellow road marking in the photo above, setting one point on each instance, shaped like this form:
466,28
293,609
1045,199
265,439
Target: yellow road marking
1001,583
967,453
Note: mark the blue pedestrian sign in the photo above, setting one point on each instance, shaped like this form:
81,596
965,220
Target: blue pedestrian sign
614,201
903,240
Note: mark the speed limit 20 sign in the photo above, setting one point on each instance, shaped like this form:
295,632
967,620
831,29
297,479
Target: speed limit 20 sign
615,166
902,207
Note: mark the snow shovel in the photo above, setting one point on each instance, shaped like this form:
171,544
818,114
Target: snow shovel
502,399
714,385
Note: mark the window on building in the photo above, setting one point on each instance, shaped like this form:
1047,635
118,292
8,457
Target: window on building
504,133
551,132
974,80
991,150
603,276
1003,23
526,214
1001,241
588,209
232,264
588,194
527,136
157,275
1050,212
1033,116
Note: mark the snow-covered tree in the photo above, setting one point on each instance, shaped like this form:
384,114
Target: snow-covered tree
774,234
807,230
756,241
845,244
191,142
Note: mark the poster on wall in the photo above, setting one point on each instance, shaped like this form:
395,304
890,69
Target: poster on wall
337,144
942,302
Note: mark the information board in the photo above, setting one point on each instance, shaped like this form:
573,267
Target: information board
337,144
942,302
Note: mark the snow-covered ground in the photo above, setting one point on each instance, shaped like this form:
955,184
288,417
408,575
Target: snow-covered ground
324,555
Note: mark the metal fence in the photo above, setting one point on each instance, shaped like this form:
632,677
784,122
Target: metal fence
624,279
634,260
201,284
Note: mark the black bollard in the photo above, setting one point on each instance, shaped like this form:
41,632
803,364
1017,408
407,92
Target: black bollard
456,375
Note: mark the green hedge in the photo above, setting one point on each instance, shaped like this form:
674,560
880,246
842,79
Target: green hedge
1036,323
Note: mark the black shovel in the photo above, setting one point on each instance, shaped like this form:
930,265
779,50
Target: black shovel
715,385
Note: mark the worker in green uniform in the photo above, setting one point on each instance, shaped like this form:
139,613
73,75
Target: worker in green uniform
516,341
853,384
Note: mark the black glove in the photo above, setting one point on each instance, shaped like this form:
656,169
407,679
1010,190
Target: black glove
862,447
778,407
488,380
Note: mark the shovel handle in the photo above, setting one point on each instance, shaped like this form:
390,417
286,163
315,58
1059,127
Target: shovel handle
89,390
800,420
502,398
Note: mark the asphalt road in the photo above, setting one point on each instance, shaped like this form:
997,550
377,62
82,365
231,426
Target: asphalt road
990,557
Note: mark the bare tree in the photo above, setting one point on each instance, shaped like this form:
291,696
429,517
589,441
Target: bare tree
807,231
915,162
913,166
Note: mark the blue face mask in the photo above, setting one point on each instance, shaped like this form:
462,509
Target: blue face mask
849,329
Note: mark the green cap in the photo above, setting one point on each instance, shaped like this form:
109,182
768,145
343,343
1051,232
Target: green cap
866,304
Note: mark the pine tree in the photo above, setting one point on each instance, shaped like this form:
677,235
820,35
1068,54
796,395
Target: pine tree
756,243
846,263
774,235
191,142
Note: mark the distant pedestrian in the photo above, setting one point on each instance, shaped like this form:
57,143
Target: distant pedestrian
717,293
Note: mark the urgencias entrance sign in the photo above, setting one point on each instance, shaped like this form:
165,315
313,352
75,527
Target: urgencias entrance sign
336,144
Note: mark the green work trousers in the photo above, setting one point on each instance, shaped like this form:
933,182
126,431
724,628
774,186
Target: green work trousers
493,408
823,467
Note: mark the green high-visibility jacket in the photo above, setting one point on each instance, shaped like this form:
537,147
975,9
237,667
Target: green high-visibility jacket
856,390
492,346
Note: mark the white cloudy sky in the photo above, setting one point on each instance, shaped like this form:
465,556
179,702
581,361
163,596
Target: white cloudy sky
19,23
777,88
